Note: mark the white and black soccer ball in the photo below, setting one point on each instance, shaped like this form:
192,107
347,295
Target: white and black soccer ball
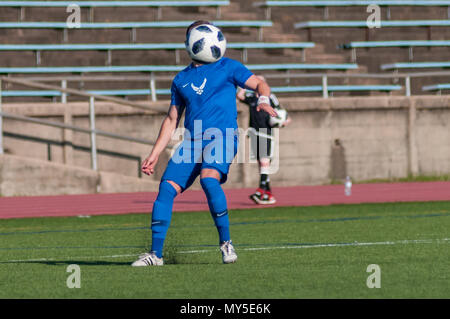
206,43
280,119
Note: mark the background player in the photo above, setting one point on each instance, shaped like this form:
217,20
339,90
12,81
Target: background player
261,141
207,92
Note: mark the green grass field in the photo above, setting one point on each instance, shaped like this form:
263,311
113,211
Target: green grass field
294,252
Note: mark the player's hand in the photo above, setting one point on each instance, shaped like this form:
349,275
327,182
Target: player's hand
288,120
266,108
148,165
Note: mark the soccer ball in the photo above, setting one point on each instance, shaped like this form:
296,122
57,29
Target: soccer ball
278,121
206,43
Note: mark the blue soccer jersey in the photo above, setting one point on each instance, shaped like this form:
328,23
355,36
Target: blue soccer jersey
208,94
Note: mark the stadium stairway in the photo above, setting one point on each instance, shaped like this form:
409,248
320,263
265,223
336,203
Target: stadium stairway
369,60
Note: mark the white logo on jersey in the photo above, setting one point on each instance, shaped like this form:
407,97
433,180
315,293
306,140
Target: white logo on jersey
199,90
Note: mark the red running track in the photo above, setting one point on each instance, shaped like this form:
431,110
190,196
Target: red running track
193,200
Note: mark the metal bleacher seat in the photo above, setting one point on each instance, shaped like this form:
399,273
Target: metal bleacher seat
415,65
244,46
102,4
364,24
50,93
167,68
335,88
132,25
151,69
390,44
437,87
146,92
346,3
125,3
309,25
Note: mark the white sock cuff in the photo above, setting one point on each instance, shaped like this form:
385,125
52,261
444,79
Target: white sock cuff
264,170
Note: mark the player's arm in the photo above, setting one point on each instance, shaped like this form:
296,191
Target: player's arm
168,126
262,88
241,95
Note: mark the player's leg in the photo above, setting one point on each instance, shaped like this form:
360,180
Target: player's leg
265,157
217,202
254,154
210,180
161,216
177,177
213,174
264,170
262,148
264,183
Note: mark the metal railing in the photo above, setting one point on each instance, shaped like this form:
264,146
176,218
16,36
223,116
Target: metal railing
324,77
406,77
64,80
92,130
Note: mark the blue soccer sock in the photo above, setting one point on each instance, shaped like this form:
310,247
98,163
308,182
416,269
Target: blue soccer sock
217,203
161,216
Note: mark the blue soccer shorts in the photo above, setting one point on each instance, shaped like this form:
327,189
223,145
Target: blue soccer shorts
191,156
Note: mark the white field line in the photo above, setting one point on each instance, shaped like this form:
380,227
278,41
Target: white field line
415,241
354,244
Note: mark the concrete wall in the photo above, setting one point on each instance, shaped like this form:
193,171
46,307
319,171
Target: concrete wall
379,137
21,176
383,137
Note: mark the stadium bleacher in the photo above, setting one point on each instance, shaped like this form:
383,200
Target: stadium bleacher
123,4
132,26
336,88
389,44
91,48
415,65
437,87
166,68
97,4
148,92
243,46
348,3
309,25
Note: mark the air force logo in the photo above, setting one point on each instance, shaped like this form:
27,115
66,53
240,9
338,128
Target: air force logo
199,90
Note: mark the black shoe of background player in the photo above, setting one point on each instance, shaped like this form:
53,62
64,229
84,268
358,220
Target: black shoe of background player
267,198
257,196
263,197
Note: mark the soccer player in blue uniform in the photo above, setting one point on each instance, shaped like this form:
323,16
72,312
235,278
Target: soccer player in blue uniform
207,93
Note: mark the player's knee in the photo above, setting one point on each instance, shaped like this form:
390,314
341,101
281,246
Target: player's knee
210,173
171,183
167,189
264,161
210,185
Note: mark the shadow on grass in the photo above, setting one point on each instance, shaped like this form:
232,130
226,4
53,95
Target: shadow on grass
71,262
169,262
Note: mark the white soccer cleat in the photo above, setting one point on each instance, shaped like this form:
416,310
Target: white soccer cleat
148,259
228,254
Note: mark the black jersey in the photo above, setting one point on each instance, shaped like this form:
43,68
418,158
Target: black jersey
259,119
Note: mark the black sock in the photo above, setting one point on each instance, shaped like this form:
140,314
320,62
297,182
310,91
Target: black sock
264,182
